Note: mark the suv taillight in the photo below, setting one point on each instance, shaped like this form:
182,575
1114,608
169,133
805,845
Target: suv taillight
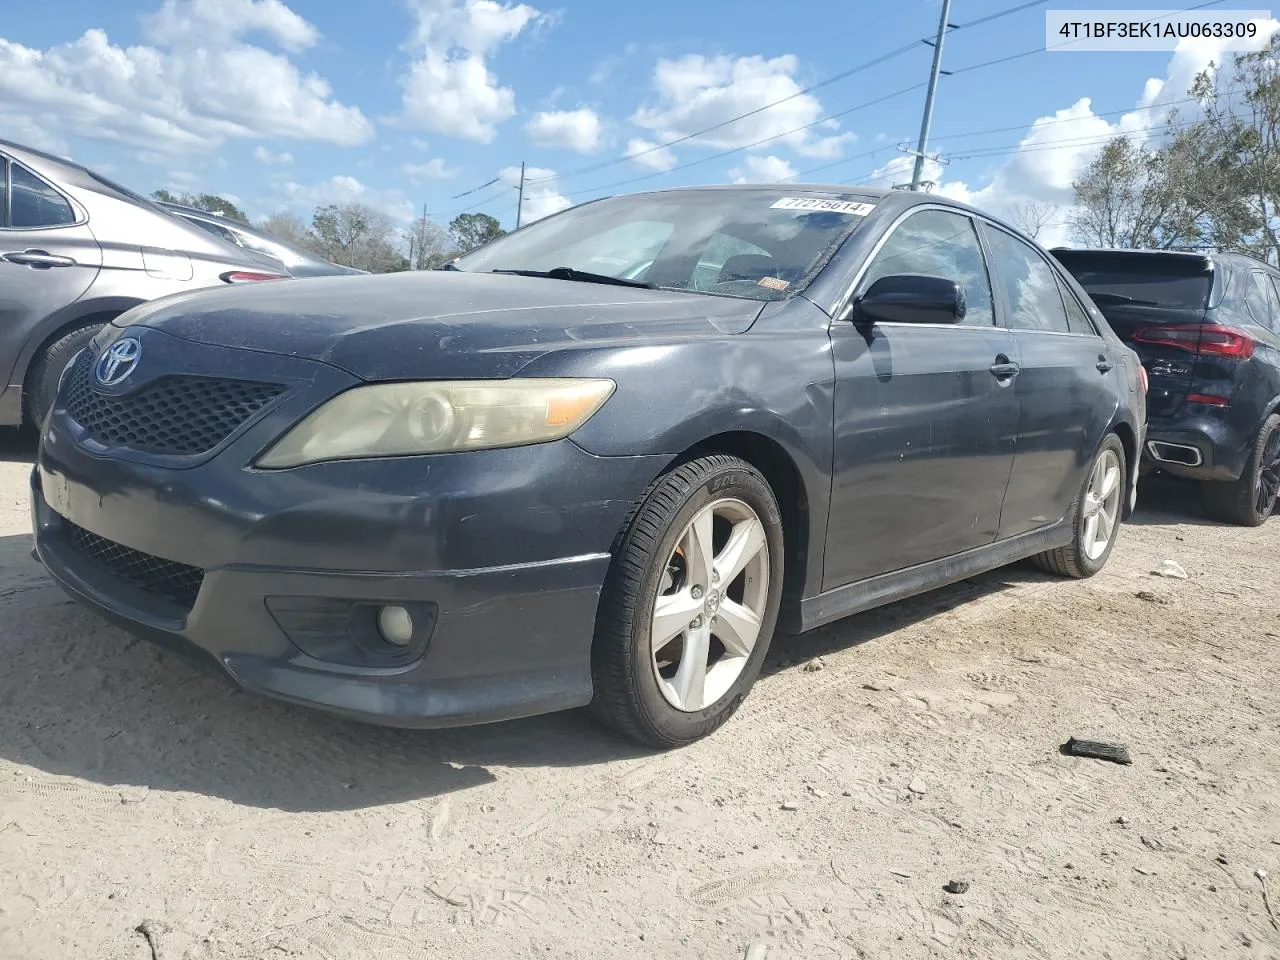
1211,339
249,276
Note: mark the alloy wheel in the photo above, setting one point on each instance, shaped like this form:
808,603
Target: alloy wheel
1267,485
1101,508
710,605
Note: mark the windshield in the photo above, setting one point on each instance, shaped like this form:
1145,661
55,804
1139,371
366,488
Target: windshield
1148,288
756,244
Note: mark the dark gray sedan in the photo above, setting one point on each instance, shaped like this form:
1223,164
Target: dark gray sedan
76,251
597,461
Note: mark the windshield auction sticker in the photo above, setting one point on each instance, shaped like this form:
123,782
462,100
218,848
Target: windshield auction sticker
826,206
1070,31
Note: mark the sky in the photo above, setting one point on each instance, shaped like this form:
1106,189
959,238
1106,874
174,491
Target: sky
406,104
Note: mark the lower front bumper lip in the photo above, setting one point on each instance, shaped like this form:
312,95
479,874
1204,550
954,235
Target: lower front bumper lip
511,641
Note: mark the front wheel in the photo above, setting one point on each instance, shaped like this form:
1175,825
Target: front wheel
690,603
1095,514
1248,502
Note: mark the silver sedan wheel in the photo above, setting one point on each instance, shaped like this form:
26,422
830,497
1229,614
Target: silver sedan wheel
711,601
1101,504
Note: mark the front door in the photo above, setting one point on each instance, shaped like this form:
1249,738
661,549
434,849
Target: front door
48,257
925,415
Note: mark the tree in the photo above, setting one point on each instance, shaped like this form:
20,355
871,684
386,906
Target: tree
203,201
430,244
1239,139
470,230
1140,197
356,235
290,228
1031,217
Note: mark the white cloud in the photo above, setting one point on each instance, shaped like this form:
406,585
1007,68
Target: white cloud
433,169
450,88
696,92
200,22
768,169
650,155
304,198
542,196
263,155
578,130
182,179
199,85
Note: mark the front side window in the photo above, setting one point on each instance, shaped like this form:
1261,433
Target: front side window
937,243
33,203
761,244
1032,299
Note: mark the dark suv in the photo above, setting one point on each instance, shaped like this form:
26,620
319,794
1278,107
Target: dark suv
1207,327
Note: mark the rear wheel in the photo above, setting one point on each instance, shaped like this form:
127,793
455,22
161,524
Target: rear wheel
1248,501
1096,516
690,603
40,385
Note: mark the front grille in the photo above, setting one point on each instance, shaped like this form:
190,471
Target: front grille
176,415
172,581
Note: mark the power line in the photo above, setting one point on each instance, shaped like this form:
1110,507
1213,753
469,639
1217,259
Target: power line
899,51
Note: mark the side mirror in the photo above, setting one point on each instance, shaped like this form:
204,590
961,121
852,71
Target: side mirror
911,299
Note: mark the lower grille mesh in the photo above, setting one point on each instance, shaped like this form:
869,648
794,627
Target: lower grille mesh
175,582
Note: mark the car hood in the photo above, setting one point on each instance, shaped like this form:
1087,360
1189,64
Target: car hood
436,323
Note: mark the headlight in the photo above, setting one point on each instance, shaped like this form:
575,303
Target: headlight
400,419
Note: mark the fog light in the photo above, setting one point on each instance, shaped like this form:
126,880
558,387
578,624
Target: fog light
395,625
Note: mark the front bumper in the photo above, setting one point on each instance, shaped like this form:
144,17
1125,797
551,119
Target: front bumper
504,552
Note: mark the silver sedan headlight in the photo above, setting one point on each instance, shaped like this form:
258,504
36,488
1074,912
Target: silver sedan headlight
403,419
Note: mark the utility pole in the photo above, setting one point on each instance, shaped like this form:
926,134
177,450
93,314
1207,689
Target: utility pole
520,202
422,240
928,100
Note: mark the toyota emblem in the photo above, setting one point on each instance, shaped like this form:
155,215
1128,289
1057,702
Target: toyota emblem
118,361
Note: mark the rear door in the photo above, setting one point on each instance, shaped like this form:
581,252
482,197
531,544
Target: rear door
1068,386
48,257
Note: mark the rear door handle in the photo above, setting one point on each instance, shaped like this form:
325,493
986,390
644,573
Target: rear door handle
1004,368
40,259
1104,364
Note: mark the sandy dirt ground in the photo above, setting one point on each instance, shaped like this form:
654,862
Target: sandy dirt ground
822,822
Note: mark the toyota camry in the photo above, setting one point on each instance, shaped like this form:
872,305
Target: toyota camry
598,461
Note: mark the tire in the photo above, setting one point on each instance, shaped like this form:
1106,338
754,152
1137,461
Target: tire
1081,558
652,696
40,385
1248,502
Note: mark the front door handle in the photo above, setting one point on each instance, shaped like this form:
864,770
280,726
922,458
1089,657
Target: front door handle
1004,369
1103,364
39,259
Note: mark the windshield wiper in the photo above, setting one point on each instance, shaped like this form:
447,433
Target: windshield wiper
1121,298
580,276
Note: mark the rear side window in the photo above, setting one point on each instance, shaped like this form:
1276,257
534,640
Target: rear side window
1077,320
33,203
1260,299
1032,298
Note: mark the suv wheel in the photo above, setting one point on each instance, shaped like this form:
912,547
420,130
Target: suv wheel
1096,516
1248,501
40,386
690,602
